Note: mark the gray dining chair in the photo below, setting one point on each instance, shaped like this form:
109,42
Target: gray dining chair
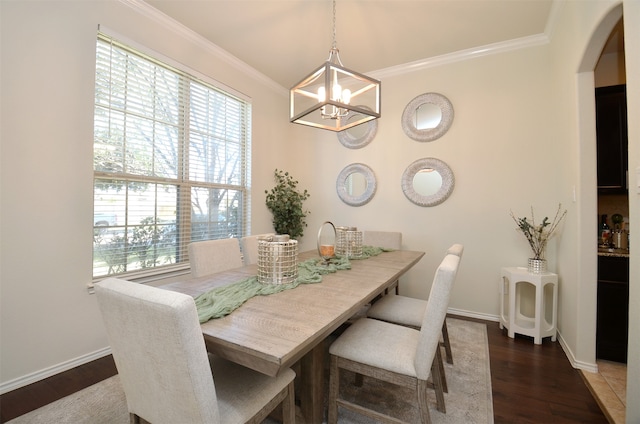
166,373
389,352
409,311
386,239
211,256
249,245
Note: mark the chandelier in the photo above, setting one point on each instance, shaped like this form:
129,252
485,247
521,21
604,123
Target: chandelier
333,97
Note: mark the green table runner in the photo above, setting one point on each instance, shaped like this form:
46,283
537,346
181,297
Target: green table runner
221,301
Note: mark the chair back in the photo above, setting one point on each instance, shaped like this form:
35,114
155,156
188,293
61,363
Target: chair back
456,249
250,248
386,239
211,256
159,352
435,314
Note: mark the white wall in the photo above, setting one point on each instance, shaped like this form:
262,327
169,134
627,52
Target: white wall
632,52
514,143
49,321
501,156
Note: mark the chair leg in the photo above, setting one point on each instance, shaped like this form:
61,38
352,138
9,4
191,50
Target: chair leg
436,378
446,343
289,406
334,384
443,375
423,403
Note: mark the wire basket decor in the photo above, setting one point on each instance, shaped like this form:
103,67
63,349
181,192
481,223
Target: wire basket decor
277,260
349,242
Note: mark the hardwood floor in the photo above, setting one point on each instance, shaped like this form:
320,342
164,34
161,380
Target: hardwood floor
531,384
536,383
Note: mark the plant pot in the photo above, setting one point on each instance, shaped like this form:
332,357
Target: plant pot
537,266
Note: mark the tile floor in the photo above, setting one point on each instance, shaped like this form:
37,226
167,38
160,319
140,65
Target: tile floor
609,386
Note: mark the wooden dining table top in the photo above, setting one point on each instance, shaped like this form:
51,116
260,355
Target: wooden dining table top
270,333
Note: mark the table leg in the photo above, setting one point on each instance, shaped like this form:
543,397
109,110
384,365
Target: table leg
312,385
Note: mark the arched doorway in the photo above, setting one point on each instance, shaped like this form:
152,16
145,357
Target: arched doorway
587,248
588,210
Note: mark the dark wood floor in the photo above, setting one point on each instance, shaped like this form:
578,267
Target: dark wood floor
531,384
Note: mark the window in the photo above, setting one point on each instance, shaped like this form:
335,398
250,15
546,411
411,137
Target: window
170,163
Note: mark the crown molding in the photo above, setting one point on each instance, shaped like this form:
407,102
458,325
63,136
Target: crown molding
150,12
489,49
171,24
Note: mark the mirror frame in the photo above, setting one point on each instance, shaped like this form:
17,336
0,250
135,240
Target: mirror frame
352,142
369,191
409,117
448,182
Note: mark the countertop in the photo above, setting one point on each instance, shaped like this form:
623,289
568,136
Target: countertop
616,253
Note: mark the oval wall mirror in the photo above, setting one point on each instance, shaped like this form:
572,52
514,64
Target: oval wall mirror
356,184
427,117
360,135
428,182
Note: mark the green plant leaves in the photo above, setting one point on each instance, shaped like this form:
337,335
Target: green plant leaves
285,202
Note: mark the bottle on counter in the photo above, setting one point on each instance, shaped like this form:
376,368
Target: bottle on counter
604,232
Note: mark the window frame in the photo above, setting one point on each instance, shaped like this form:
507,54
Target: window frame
183,184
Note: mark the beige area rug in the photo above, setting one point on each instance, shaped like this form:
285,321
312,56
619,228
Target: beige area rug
468,401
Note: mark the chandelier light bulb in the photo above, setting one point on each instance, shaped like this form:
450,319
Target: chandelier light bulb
337,92
346,96
322,96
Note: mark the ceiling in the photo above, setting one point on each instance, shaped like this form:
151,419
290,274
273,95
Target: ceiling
287,39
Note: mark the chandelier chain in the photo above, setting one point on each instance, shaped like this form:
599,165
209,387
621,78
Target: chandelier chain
335,43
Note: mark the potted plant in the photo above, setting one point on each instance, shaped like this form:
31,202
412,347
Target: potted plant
538,236
285,203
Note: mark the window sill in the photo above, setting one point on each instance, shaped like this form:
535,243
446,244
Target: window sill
145,277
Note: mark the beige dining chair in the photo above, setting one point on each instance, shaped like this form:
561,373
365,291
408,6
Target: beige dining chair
249,245
211,256
393,353
166,373
408,311
386,239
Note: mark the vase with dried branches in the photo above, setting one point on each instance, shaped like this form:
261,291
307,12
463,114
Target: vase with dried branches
538,236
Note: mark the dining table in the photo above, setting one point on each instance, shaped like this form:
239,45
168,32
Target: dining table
274,332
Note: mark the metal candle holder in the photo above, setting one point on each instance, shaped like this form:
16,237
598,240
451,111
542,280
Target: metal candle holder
277,259
349,242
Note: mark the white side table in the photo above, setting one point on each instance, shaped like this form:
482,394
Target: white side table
541,321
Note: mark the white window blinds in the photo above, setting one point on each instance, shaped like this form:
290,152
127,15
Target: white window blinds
170,162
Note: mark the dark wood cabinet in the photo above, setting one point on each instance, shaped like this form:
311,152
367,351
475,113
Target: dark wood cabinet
611,128
612,327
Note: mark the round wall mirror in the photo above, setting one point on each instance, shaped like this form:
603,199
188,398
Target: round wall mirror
356,184
427,117
428,182
360,135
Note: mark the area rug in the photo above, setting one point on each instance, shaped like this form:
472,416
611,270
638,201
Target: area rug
469,399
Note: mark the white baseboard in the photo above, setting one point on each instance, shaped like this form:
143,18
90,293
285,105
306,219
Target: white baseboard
586,366
470,314
25,380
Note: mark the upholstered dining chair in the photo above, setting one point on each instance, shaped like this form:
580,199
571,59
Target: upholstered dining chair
393,353
386,239
165,370
249,246
211,256
408,311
